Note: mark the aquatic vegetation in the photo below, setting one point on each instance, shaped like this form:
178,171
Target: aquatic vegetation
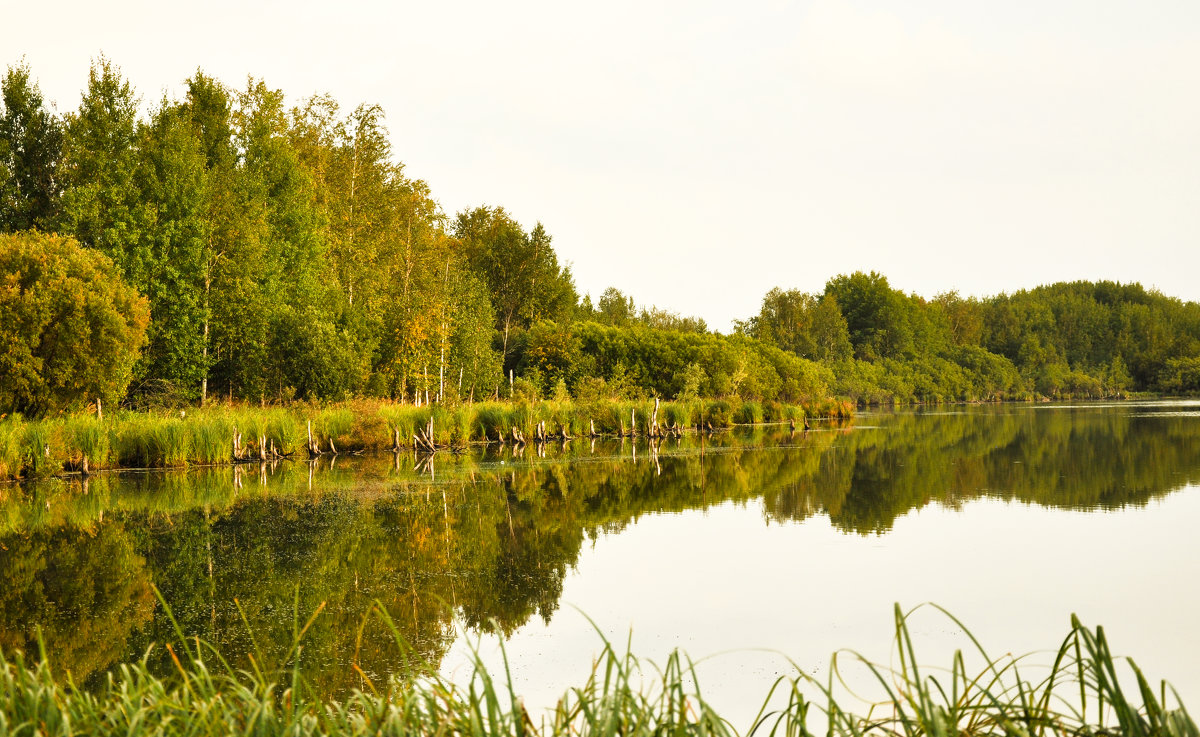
1085,691
12,429
35,450
206,436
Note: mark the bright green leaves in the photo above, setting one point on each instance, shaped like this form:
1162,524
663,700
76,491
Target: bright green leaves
101,202
31,140
520,269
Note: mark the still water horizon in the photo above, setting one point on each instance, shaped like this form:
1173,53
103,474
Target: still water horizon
758,552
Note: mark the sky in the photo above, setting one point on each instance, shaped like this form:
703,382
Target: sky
697,154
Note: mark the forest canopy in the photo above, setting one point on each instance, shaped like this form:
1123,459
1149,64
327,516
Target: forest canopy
1077,339
283,252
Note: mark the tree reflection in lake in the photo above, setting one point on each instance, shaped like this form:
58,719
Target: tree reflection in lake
491,537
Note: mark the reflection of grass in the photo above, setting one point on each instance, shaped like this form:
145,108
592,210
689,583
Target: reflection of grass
1082,694
205,437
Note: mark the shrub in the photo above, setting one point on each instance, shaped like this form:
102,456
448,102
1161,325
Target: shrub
719,413
72,328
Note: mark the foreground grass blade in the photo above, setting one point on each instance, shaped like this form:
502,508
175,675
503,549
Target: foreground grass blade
1086,686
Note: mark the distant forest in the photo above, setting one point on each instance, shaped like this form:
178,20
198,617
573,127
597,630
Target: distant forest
229,246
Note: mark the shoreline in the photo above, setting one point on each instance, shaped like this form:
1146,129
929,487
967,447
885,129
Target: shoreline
222,436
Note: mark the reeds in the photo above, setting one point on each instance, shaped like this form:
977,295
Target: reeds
205,436
88,439
1078,693
35,450
12,432
1081,693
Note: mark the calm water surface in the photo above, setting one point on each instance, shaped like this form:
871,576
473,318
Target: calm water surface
758,551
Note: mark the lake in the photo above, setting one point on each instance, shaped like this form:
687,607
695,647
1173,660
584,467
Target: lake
757,551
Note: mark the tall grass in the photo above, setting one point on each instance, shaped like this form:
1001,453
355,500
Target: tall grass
1083,693
88,437
36,450
750,413
150,441
12,435
212,438
205,436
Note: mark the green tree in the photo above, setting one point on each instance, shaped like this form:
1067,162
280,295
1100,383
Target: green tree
830,333
102,205
72,327
284,247
811,326
173,176
615,308
525,281
209,107
30,148
877,316
471,337
964,316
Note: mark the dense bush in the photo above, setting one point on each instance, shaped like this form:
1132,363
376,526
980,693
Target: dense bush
71,328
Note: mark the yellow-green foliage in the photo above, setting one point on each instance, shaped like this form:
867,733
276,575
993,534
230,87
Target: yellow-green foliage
88,437
36,450
334,423
491,421
404,418
212,438
149,441
12,431
718,413
71,326
205,436
750,413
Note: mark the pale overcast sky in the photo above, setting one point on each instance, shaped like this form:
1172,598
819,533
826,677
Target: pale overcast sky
697,154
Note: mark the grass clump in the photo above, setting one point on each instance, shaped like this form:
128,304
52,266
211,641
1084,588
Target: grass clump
750,413
88,437
12,435
205,436
404,418
491,421
36,451
1082,694
334,423
151,441
212,438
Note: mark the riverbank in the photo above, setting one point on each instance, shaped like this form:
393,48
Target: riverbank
1081,695
223,435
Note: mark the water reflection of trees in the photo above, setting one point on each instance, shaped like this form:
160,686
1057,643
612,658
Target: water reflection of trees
85,590
492,540
1078,458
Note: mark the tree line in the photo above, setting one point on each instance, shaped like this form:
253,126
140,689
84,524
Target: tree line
282,251
1078,339
231,245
